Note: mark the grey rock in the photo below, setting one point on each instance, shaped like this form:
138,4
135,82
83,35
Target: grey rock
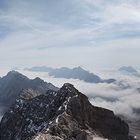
14,83
62,115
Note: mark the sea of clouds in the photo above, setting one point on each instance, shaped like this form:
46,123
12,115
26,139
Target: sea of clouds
122,96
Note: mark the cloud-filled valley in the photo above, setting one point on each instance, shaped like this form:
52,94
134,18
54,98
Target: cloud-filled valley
122,96
70,37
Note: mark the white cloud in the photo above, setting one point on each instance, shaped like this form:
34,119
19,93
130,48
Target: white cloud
111,96
73,25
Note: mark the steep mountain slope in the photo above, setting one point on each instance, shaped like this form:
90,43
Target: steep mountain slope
128,69
63,115
75,73
135,128
13,84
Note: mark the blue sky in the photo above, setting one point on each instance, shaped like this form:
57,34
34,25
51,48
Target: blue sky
89,33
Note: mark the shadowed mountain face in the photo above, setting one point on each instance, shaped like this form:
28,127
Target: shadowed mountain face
63,115
128,69
135,128
75,73
13,84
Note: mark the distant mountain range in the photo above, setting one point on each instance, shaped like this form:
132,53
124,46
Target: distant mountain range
14,85
129,70
75,73
62,115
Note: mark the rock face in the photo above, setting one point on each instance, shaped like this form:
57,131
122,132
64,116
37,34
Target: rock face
13,84
63,115
135,128
75,73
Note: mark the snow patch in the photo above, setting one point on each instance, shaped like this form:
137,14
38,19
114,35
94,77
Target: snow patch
99,138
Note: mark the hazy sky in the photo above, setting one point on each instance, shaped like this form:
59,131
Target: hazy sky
89,33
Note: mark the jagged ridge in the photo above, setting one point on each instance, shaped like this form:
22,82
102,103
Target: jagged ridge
12,85
66,114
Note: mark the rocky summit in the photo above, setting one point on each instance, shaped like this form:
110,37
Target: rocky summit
65,114
14,83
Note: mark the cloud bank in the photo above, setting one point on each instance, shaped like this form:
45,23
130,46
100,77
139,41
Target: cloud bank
124,100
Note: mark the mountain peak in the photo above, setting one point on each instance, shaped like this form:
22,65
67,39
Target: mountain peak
70,90
14,83
78,68
61,115
15,74
68,86
128,69
38,80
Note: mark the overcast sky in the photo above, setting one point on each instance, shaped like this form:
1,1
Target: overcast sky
89,33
